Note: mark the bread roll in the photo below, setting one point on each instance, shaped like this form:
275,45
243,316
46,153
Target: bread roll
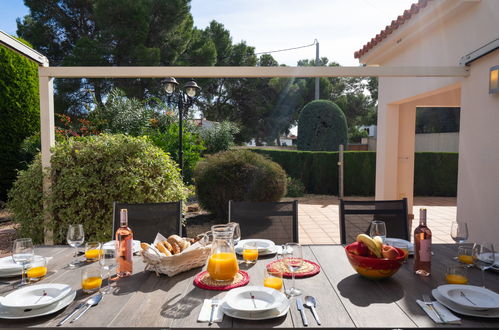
144,246
168,246
176,242
160,246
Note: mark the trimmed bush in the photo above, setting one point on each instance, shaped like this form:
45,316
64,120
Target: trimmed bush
435,173
19,110
89,173
239,175
322,126
296,188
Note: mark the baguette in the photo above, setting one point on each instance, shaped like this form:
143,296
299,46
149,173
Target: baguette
161,247
144,246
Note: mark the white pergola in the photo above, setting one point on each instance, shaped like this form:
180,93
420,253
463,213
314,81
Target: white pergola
48,74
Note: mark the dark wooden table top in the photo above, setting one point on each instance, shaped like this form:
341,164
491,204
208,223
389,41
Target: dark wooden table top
344,298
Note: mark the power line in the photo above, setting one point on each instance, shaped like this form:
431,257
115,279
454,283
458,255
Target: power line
283,50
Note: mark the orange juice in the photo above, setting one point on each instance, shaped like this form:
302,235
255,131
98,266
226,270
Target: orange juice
223,266
250,254
456,279
36,272
91,283
465,259
93,254
273,282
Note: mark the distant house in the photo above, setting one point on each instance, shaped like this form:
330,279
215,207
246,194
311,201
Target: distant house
285,141
203,123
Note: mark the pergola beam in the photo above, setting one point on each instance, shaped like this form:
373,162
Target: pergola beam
248,71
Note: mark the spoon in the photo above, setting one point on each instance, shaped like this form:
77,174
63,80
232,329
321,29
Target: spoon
311,303
90,302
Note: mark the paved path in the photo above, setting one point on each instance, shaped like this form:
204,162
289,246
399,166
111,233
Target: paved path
319,218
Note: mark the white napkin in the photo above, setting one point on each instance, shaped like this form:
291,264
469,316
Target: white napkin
447,315
204,314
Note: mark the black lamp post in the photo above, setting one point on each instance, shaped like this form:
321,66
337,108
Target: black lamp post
184,100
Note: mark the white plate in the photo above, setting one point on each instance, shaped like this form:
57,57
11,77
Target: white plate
111,246
16,313
262,244
260,253
481,297
255,316
239,299
458,309
7,265
32,296
410,246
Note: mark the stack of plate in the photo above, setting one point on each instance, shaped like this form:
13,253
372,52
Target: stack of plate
111,245
9,268
36,300
468,300
255,303
265,246
392,240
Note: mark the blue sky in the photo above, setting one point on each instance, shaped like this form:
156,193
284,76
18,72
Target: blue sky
341,26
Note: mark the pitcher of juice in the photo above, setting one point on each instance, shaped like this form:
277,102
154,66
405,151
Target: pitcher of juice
222,263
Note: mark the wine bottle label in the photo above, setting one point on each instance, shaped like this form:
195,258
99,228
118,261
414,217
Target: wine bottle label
425,250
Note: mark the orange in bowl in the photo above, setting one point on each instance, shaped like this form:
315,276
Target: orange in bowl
371,267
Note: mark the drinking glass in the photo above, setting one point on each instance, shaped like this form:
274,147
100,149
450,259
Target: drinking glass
293,259
23,253
459,233
108,262
465,255
378,228
93,251
483,257
272,278
250,252
37,269
237,232
75,237
91,279
456,275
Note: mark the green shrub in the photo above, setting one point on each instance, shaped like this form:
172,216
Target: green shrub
435,173
296,188
322,126
19,111
219,137
89,173
237,175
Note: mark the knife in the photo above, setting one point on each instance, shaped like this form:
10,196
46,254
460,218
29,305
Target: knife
299,305
77,308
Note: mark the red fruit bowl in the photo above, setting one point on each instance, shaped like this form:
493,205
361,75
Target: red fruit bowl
373,268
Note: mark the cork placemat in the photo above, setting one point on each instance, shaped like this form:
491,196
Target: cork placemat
204,281
309,268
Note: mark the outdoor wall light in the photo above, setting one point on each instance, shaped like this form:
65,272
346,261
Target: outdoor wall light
494,80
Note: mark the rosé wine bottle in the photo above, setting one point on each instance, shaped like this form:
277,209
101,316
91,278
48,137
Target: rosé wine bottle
124,253
422,246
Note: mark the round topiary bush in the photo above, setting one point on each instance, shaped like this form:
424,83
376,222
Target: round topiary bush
322,126
239,175
89,173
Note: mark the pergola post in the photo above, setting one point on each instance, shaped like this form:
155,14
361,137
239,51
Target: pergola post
47,142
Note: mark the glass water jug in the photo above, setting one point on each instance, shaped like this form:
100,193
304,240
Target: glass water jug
222,264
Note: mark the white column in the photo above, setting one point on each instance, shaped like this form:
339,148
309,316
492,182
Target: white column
47,142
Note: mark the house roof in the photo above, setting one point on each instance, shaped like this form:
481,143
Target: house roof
407,15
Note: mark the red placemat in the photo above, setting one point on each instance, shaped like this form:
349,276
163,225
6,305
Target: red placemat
309,268
204,281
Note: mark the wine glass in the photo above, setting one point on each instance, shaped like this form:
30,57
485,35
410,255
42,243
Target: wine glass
293,259
108,262
237,232
483,257
23,253
459,232
75,237
378,228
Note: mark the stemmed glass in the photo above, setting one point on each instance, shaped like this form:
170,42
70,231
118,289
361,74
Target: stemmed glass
459,232
483,257
293,259
23,253
75,237
237,232
108,262
378,228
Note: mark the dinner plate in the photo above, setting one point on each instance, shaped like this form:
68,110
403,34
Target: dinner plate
255,316
7,265
17,313
264,299
111,246
262,244
410,246
35,296
475,297
493,313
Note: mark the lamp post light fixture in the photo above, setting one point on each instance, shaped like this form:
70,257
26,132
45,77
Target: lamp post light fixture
494,80
183,99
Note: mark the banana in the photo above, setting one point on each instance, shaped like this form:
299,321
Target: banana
371,244
379,244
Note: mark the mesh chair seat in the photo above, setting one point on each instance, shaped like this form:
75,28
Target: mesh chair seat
276,221
147,219
356,218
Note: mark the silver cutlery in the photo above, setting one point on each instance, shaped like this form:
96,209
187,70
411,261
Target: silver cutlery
77,308
90,302
429,303
311,303
253,299
299,305
465,297
214,304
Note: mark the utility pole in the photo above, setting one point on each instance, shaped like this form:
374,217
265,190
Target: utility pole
317,86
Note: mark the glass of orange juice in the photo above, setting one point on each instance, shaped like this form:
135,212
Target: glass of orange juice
93,251
250,252
456,275
91,279
37,269
465,255
272,278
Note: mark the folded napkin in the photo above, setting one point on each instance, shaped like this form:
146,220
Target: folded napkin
204,314
446,315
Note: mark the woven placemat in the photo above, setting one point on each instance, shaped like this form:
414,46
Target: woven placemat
204,281
309,268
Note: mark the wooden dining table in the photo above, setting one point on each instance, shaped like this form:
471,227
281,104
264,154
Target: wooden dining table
344,298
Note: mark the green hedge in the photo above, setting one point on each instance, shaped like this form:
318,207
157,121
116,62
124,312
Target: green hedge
435,173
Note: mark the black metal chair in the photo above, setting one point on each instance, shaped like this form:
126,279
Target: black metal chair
356,218
276,221
148,219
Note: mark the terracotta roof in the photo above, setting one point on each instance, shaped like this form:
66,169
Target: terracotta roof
415,8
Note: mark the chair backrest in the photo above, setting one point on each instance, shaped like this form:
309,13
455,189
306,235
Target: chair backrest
148,219
356,217
276,221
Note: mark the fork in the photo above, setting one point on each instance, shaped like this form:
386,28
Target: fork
429,303
214,304
465,297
